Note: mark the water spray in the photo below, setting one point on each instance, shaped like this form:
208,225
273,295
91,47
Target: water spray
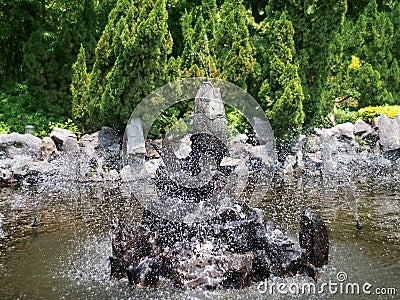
353,189
203,63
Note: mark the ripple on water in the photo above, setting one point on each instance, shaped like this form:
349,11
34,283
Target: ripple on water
66,256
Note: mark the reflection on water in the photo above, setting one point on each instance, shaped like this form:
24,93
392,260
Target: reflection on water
66,256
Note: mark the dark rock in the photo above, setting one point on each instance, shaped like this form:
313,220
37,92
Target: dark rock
231,250
313,237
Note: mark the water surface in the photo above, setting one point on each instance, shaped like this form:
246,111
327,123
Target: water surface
66,256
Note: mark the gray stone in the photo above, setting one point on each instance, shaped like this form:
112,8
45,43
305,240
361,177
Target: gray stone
5,175
264,133
209,112
298,143
184,147
389,132
344,130
64,139
15,144
41,167
240,139
100,140
49,148
20,166
134,138
361,127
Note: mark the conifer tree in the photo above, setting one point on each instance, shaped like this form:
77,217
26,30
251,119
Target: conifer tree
281,91
79,85
235,52
140,68
315,23
369,40
106,52
198,57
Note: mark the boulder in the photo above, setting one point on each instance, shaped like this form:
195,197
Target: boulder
209,112
240,139
15,144
313,237
151,148
361,127
344,130
49,148
134,143
100,140
389,132
64,139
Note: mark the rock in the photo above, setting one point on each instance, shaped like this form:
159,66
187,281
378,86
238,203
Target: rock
313,237
298,143
240,139
101,140
102,150
364,130
264,133
49,148
41,168
375,122
389,132
184,147
113,175
16,144
19,166
5,175
152,148
231,251
361,127
133,138
209,113
344,130
65,140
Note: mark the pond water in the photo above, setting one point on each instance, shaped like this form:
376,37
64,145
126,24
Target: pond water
66,256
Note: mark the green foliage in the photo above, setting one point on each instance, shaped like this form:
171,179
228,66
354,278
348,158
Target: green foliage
4,128
238,122
16,112
346,115
281,91
175,115
235,52
68,124
366,114
79,87
316,24
92,61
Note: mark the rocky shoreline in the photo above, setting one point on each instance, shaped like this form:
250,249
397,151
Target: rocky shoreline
26,159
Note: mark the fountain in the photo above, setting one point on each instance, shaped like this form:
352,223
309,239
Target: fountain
57,203
199,228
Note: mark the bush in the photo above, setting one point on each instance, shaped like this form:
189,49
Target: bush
366,114
346,115
4,128
238,121
16,112
369,113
